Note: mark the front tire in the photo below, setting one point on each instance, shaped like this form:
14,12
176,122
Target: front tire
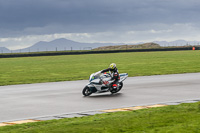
86,91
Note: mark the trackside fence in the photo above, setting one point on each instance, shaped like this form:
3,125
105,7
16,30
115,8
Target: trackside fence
91,52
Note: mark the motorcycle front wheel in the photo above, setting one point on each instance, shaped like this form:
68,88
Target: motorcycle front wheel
86,91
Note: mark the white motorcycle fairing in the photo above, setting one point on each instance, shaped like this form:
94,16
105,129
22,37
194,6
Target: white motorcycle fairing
99,83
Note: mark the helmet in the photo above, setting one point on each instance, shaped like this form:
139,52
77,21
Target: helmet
113,66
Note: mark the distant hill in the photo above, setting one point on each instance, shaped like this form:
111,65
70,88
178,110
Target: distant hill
139,46
4,50
63,44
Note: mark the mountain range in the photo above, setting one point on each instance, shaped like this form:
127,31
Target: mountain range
63,44
177,43
4,50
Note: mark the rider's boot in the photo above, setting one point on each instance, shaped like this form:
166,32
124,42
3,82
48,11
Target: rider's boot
113,87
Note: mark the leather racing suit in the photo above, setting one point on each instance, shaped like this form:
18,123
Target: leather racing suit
114,76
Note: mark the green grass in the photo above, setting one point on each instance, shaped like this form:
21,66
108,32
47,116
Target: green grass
183,118
77,67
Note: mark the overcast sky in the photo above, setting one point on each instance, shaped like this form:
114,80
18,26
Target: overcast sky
25,22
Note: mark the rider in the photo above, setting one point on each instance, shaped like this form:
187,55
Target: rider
114,74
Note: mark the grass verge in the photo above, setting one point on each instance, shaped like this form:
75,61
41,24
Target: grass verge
77,67
176,119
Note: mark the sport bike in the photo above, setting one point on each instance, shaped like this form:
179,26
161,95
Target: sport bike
102,83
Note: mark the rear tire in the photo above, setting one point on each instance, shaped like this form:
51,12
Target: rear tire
86,91
120,87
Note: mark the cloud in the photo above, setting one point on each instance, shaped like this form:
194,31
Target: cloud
56,16
103,20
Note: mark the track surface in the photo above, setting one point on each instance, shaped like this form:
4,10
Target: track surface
19,102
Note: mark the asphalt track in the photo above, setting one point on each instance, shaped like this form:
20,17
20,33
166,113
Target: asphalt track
18,102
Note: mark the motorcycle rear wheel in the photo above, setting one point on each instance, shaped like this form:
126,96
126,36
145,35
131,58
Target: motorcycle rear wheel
86,91
120,87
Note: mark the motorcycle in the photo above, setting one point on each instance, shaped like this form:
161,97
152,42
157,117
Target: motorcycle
102,83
